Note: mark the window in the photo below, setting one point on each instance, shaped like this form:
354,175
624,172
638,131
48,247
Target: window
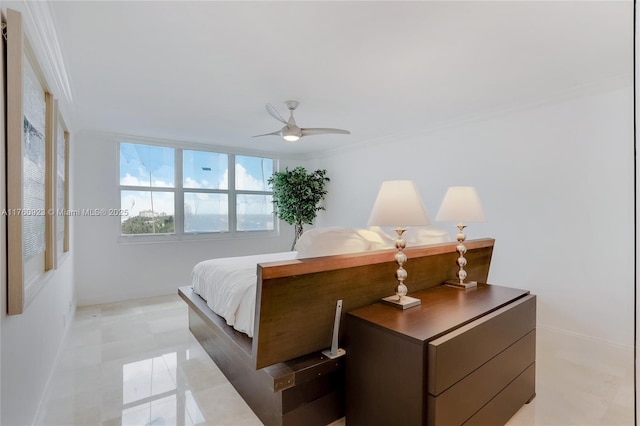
147,189
175,191
206,191
254,206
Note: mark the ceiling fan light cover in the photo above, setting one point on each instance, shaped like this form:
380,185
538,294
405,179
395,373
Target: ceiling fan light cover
291,132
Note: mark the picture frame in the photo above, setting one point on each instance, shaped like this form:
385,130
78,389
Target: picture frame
30,129
51,104
15,268
61,179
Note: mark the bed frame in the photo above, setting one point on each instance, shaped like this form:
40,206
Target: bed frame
281,372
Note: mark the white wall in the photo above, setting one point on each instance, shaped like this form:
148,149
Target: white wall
556,183
30,342
108,270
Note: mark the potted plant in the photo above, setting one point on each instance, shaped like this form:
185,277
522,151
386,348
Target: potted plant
297,195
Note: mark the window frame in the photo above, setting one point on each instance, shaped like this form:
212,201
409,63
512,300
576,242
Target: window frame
179,191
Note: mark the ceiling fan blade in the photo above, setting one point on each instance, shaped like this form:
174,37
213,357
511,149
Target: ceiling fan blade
323,131
277,132
274,113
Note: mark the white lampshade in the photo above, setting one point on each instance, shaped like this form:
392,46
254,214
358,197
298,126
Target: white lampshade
398,204
461,204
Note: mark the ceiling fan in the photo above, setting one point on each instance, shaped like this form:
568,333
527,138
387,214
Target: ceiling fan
291,132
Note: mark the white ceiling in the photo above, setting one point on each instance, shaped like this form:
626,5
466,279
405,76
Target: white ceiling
203,71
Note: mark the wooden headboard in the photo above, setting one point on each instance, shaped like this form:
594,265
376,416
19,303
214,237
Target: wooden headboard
296,300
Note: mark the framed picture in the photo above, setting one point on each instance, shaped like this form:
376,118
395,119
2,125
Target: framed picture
15,128
30,137
62,189
49,171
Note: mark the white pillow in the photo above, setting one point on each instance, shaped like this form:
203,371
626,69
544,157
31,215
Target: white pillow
385,239
425,235
329,241
307,238
376,241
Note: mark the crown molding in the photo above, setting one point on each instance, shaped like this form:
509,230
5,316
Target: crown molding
187,144
616,82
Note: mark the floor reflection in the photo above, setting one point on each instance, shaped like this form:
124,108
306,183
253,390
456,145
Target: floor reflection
136,363
150,394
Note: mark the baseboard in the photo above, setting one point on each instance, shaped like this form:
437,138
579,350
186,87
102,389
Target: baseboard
582,336
129,296
54,368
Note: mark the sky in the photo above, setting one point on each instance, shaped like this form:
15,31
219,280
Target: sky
147,165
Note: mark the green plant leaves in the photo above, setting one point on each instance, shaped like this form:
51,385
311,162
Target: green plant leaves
297,194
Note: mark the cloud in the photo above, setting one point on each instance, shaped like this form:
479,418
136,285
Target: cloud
244,180
129,180
192,183
224,182
247,182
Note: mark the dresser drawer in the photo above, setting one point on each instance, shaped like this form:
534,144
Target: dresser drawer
501,408
459,353
482,385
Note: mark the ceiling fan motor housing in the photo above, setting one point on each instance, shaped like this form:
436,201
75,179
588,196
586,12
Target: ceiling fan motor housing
292,105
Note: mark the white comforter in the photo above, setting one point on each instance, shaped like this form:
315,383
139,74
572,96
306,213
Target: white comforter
229,286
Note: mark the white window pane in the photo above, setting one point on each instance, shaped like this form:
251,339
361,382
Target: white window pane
252,173
202,169
205,212
254,212
149,212
147,165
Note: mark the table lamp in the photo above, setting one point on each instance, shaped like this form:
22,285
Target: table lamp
461,204
399,204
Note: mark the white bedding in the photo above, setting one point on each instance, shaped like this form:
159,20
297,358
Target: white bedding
229,286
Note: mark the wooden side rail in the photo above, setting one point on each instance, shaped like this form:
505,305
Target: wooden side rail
296,300
277,377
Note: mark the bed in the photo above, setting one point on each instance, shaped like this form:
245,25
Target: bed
228,285
280,371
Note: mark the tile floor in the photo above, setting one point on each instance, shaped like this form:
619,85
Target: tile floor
135,363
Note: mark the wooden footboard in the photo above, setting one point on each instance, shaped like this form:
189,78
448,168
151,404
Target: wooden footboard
281,373
296,299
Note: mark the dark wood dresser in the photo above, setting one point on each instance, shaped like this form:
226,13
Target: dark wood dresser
461,357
